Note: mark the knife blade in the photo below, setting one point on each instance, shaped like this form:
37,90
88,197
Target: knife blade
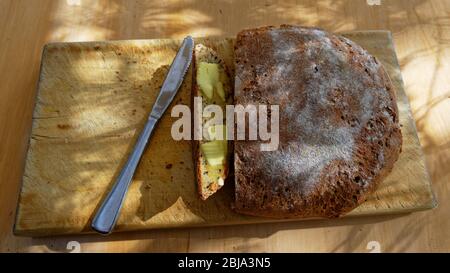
108,213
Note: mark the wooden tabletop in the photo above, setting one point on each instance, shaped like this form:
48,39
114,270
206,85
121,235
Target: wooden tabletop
421,31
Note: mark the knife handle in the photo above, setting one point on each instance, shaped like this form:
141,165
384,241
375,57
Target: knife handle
107,215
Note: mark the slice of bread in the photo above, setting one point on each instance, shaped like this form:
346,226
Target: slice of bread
210,178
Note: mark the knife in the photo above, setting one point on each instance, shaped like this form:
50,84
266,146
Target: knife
108,213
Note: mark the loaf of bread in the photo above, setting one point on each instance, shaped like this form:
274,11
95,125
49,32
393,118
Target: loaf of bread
339,132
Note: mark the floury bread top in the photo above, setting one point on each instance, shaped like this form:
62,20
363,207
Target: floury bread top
339,130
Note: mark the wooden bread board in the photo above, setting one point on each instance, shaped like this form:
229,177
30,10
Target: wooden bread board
93,99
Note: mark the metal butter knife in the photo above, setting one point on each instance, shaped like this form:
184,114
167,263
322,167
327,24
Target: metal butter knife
107,215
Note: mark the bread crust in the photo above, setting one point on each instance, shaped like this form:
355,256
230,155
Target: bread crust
339,128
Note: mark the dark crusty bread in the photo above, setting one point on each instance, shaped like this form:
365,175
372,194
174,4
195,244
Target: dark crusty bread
207,179
339,128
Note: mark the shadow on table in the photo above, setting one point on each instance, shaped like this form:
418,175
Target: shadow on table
195,239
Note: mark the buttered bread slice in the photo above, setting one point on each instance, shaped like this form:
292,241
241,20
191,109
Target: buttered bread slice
211,82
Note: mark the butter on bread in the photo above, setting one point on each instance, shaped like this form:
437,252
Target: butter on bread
211,82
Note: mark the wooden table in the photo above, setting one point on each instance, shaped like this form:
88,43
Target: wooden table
421,31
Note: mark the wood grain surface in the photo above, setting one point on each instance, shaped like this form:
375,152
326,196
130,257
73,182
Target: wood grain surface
93,100
421,36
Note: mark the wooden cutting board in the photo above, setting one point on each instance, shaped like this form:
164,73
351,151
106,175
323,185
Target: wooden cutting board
93,99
